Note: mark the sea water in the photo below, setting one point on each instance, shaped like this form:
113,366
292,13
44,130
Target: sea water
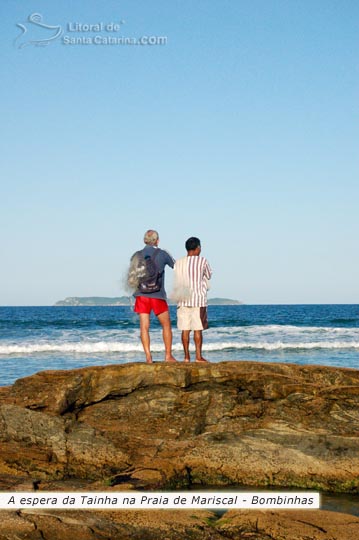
39,338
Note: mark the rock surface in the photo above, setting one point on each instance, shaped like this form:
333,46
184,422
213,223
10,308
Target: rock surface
175,425
164,426
177,525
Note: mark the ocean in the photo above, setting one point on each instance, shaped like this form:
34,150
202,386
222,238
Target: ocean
40,338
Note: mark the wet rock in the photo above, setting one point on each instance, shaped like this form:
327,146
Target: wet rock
165,426
289,525
177,525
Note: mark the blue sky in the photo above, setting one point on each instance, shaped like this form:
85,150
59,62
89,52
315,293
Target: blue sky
241,129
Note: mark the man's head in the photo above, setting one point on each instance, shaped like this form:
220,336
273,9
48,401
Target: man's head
151,238
193,245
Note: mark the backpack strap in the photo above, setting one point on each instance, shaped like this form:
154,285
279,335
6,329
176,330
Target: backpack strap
154,257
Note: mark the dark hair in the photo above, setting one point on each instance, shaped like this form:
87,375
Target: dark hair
192,243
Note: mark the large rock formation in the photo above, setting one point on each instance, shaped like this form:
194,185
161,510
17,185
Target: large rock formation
164,426
178,425
177,525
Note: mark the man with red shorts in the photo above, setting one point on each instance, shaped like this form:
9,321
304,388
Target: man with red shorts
157,301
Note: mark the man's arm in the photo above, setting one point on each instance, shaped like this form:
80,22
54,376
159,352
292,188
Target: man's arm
169,259
207,271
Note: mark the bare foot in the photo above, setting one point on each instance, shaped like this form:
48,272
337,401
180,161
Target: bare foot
187,360
149,361
170,359
202,360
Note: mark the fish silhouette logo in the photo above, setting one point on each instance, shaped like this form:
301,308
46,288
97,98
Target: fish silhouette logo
35,32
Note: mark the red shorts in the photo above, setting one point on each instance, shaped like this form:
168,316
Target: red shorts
145,304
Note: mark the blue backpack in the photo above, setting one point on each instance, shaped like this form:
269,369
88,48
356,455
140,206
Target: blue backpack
149,276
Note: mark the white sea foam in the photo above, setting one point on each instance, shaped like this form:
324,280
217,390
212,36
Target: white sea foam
127,342
77,348
287,330
278,345
103,347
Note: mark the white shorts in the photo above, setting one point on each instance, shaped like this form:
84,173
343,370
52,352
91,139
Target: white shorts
192,318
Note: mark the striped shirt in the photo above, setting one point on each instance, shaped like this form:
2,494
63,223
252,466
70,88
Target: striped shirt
193,272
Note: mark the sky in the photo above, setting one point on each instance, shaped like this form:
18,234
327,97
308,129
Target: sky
235,121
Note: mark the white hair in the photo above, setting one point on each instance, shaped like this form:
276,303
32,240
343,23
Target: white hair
150,238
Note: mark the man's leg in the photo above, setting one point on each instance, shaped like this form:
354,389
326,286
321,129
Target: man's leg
198,340
145,335
165,321
185,343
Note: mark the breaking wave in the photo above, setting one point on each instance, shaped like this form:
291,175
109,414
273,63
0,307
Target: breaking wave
103,347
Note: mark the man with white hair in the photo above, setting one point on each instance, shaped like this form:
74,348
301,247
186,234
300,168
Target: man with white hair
147,277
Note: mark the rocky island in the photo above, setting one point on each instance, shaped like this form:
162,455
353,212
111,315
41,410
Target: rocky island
179,426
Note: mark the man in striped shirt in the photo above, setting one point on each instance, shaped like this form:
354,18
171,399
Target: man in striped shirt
192,274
